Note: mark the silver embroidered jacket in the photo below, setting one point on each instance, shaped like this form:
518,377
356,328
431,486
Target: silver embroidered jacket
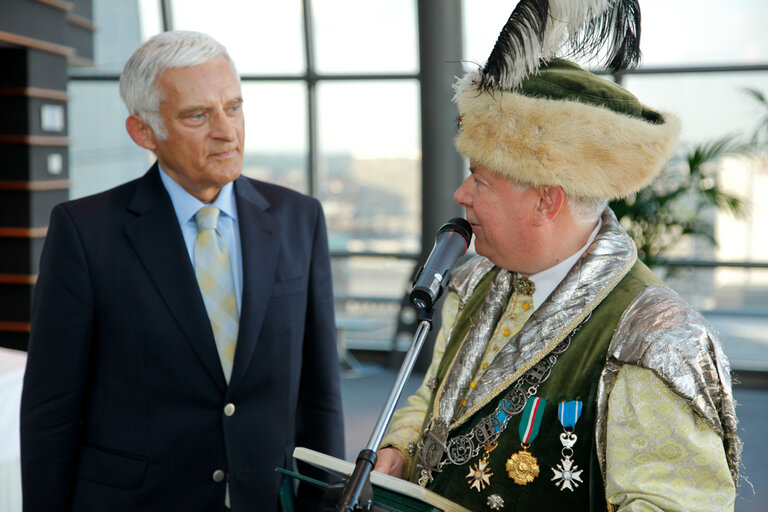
659,331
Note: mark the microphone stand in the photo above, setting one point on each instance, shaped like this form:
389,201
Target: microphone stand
357,494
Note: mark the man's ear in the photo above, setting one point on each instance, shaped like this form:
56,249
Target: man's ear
141,133
551,201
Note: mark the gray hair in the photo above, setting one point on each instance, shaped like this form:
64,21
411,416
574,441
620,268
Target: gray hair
583,209
167,50
586,209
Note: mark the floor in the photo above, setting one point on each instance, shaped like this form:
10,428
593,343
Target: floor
365,393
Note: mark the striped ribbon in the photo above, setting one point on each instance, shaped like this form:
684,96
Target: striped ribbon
531,419
568,413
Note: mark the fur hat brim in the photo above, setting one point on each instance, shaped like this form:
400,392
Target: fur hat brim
591,150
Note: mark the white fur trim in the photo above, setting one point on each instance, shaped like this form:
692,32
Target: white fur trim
592,152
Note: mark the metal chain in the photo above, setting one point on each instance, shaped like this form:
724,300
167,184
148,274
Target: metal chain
462,448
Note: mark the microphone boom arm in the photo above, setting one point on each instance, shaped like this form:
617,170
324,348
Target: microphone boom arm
451,243
366,459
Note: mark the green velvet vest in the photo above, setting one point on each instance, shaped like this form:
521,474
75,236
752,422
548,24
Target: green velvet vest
575,376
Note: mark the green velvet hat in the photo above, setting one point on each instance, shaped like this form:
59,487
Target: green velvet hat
554,123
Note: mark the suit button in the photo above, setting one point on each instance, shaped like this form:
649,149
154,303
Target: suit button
229,409
218,476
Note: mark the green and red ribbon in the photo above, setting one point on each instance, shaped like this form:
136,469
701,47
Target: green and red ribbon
531,419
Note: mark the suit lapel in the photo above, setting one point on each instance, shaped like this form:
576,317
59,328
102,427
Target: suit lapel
157,239
259,236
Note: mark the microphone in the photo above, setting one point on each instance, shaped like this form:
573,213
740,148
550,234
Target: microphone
451,243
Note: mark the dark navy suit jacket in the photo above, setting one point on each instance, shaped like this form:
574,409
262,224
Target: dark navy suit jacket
123,405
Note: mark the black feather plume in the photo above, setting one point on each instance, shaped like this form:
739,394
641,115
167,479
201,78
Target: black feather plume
541,29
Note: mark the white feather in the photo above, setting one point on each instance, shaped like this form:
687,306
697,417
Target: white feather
566,19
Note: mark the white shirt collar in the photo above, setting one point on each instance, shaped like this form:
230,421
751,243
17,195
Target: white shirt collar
547,280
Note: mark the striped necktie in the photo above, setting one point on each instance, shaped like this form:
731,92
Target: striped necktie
214,276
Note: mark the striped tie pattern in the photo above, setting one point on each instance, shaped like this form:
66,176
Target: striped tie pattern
214,276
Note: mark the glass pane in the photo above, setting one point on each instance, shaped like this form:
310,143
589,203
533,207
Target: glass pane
358,37
368,291
711,105
735,302
119,32
704,32
743,238
150,18
482,23
276,133
369,164
720,290
679,33
102,155
261,37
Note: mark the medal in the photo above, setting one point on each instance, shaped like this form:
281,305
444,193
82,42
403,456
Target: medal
495,502
480,475
567,475
435,449
522,467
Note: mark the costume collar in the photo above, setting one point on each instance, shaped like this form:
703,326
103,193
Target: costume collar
600,268
547,280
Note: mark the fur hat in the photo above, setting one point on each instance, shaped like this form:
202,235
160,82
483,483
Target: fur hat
552,122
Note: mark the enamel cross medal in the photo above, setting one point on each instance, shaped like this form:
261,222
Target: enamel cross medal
567,474
523,467
480,475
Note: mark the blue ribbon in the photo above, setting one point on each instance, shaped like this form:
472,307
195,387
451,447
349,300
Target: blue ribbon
500,414
568,413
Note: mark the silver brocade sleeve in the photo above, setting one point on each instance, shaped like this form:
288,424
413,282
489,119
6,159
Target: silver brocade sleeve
659,331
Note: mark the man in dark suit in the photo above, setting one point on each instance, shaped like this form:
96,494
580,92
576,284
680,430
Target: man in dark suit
174,364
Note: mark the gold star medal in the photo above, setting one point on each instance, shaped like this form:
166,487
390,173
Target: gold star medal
522,467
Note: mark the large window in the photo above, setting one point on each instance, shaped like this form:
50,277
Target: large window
331,92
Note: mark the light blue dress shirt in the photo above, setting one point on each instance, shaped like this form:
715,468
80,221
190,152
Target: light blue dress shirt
186,206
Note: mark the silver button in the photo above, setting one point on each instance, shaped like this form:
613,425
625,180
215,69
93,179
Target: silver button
229,409
218,475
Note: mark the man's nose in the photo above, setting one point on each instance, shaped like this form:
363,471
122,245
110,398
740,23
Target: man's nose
223,126
462,196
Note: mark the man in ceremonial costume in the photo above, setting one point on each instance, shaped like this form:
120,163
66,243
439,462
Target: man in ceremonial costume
566,375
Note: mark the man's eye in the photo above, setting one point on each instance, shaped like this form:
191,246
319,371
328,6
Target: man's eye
195,116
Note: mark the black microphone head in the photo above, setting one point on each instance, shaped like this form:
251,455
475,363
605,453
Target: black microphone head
458,225
451,243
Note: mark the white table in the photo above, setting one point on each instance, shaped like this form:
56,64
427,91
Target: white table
11,375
